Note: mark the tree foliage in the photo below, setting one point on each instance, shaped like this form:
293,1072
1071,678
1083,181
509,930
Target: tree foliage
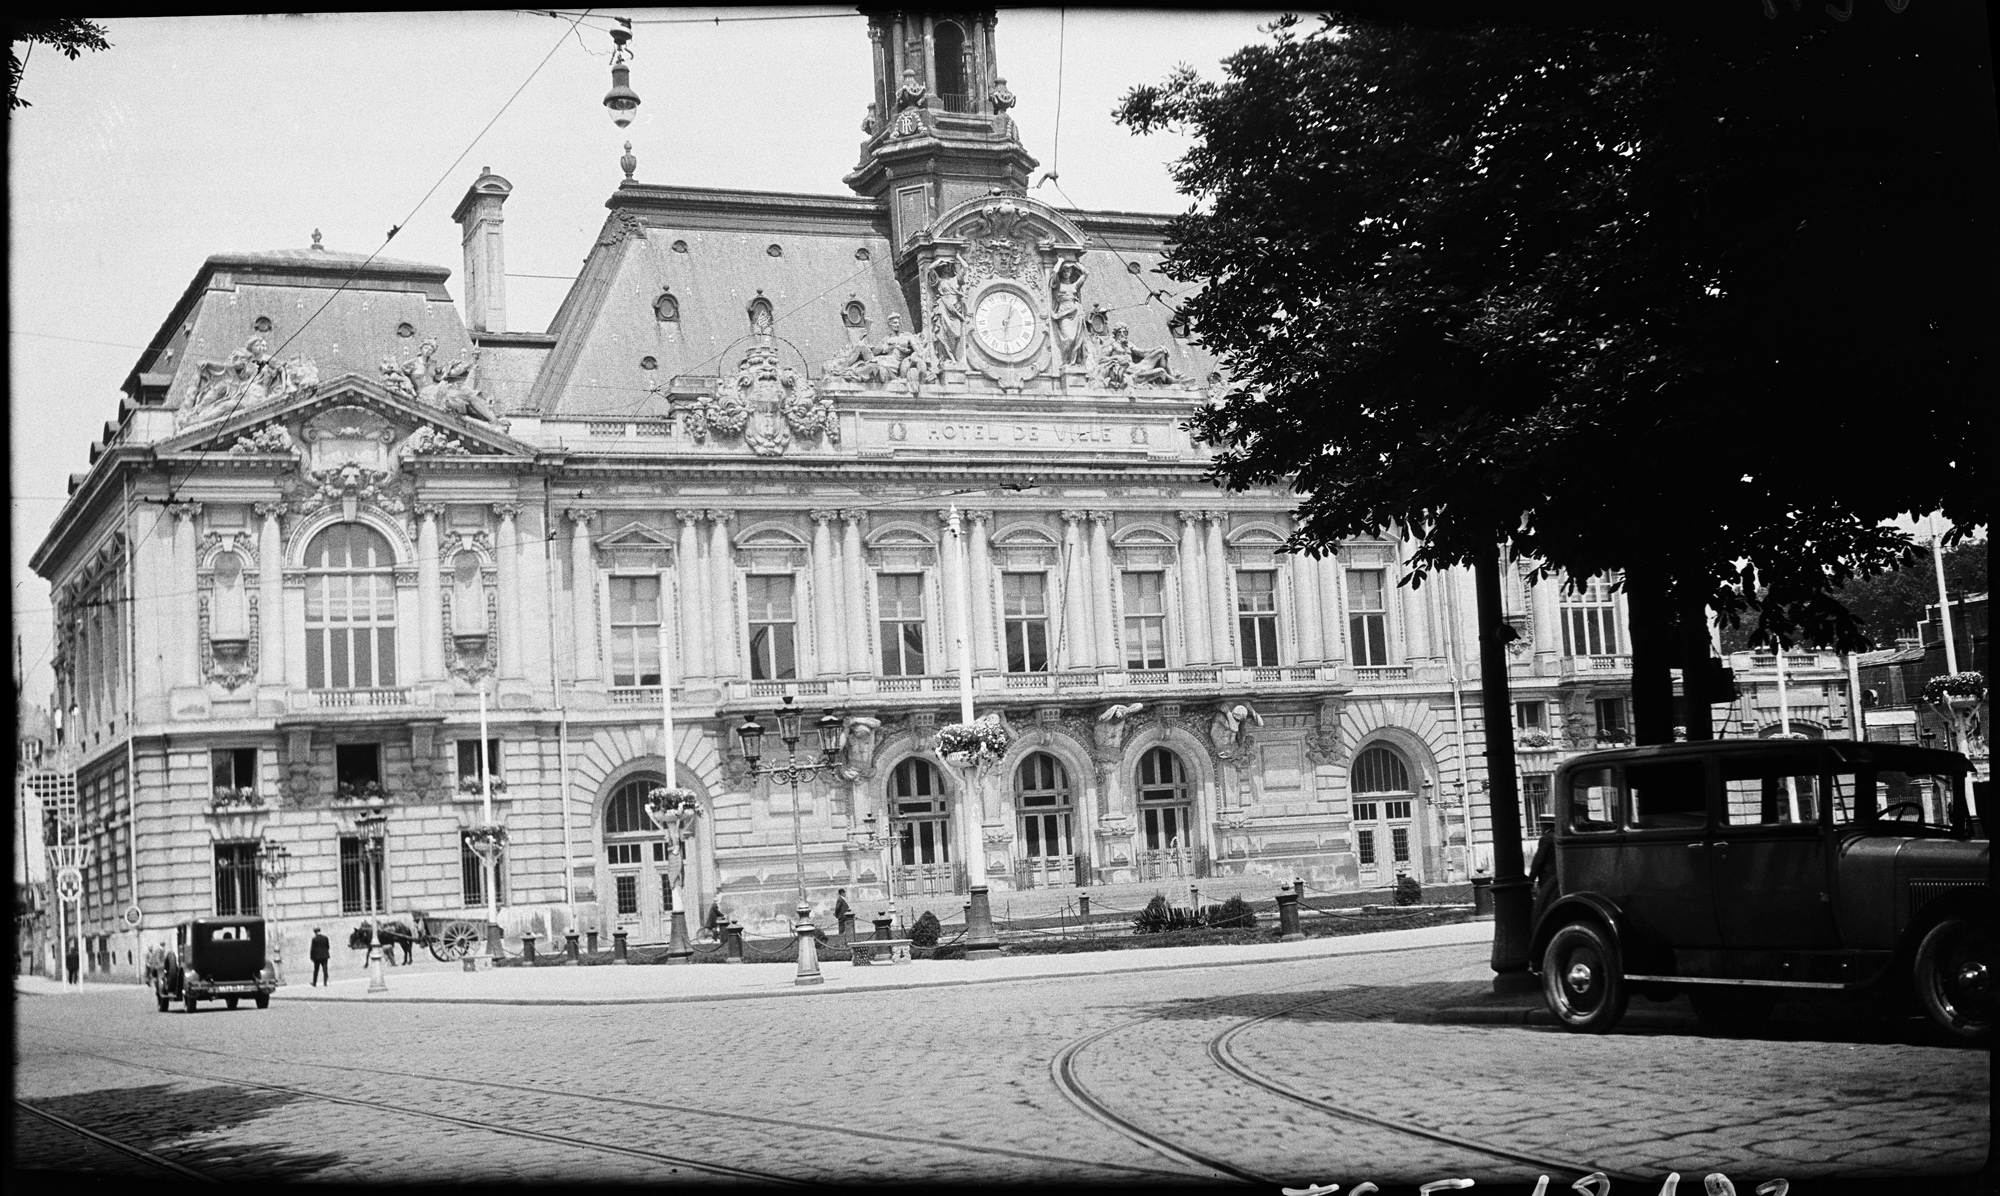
1891,604
69,35
1707,307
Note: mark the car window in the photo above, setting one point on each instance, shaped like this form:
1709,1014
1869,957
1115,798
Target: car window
1595,801
1780,792
1904,799
229,934
1667,795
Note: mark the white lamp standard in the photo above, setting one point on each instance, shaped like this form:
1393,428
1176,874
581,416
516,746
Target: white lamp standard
832,738
274,861
981,941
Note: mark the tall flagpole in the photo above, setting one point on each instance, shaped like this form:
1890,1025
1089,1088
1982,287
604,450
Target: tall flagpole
981,941
486,799
679,949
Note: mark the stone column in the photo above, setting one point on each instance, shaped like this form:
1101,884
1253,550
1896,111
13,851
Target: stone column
1194,589
271,596
1417,640
1545,604
1079,646
1305,608
950,586
1102,604
430,607
1220,615
583,594
1333,607
980,594
185,667
829,602
721,594
854,571
691,589
506,559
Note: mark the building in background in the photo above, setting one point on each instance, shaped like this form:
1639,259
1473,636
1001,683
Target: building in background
333,511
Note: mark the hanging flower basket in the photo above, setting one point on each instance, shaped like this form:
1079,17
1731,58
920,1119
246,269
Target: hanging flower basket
1535,739
470,786
1955,690
367,791
227,797
978,743
486,840
674,808
1614,735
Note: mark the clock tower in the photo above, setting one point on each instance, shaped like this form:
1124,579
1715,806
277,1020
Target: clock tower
938,131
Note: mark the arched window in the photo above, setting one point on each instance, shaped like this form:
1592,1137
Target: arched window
350,609
1041,781
919,820
1162,777
1379,770
625,812
761,320
1042,801
951,86
1165,816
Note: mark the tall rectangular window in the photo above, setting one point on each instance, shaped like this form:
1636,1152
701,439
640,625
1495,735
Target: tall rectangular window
472,875
236,879
902,603
1364,842
1145,620
357,770
773,628
1611,718
468,761
635,631
233,770
1399,844
1530,716
1367,616
1590,620
1257,617
1534,804
350,623
1025,609
361,877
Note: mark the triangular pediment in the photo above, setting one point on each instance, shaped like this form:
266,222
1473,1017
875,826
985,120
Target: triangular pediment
286,424
634,535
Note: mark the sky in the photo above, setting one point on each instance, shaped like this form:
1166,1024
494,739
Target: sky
202,135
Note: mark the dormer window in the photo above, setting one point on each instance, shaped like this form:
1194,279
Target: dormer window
761,321
666,308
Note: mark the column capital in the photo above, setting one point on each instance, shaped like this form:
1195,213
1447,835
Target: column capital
271,510
1100,516
978,514
186,511
1189,516
1073,517
580,515
688,514
506,510
945,515
718,516
823,514
427,511
854,514
1216,516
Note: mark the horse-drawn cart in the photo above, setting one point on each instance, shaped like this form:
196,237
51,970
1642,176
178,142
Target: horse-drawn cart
450,937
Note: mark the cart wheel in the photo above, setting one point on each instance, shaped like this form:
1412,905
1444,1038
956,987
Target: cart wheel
458,939
263,1000
187,1001
229,1001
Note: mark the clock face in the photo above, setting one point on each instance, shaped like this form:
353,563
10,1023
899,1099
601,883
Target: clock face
1004,323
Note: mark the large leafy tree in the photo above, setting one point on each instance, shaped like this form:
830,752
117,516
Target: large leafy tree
69,36
1703,307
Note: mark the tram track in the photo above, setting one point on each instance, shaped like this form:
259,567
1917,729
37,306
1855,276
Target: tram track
124,1148
1065,1070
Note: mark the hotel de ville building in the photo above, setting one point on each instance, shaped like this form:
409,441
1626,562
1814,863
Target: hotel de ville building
770,445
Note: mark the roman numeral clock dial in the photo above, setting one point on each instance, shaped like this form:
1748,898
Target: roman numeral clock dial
1004,323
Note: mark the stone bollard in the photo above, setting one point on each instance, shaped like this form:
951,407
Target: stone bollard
883,925
1083,908
618,947
528,946
1194,898
1288,914
847,928
1482,898
592,940
808,948
569,949
732,942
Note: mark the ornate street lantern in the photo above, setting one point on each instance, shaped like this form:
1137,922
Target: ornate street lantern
621,101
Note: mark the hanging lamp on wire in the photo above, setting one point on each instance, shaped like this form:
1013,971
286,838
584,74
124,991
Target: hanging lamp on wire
621,100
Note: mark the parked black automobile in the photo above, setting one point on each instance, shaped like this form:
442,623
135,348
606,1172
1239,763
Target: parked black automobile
1738,870
216,958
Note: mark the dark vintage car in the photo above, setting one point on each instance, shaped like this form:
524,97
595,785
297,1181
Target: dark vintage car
1738,870
216,959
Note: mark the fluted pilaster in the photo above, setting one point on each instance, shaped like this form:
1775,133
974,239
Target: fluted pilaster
721,569
583,594
507,567
1221,614
1194,589
1079,646
691,589
1305,608
1102,602
185,667
430,604
951,583
829,604
980,593
271,595
854,574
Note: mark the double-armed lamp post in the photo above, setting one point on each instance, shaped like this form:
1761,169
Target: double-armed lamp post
832,738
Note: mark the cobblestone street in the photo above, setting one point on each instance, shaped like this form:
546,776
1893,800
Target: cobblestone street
989,1082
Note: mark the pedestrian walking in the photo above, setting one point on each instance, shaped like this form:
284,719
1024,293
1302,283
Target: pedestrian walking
843,915
322,950
72,960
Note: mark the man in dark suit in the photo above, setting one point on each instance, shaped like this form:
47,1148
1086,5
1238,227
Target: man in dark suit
322,950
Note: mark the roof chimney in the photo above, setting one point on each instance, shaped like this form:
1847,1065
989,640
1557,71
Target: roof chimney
478,216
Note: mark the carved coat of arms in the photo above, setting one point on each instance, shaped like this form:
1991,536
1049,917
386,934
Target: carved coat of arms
767,404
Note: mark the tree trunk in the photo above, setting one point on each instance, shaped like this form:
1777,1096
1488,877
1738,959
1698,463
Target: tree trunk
1654,648
1512,897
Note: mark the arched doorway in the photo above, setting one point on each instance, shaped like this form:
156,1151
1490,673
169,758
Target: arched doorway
920,823
1046,812
638,882
1166,816
953,67
1386,829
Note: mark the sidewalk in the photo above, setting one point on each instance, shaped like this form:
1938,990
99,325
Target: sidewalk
654,984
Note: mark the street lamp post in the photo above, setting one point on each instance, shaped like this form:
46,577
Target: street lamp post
274,861
373,825
981,940
832,738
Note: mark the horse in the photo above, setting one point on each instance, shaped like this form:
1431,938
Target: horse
392,934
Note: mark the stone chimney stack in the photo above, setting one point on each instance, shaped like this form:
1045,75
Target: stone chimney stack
478,215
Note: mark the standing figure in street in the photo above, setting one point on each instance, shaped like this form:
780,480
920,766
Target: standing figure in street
843,915
72,961
322,951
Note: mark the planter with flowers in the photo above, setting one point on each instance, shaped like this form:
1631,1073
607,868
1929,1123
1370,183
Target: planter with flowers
360,793
229,797
487,840
1958,697
977,744
673,809
469,786
1613,735
235,812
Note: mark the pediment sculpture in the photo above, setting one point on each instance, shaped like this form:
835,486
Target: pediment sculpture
250,378
767,404
446,386
347,460
900,360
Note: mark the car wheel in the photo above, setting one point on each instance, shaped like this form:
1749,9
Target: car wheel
1731,1010
229,1001
1954,979
187,1002
1581,978
263,1000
